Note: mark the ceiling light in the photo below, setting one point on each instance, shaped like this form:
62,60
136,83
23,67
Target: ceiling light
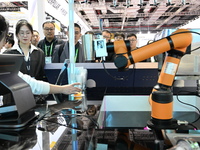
86,1
141,3
184,3
169,3
115,4
155,3
128,4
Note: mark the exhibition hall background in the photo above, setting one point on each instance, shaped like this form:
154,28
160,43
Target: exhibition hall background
58,10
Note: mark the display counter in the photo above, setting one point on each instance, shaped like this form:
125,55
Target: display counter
56,133
133,111
106,79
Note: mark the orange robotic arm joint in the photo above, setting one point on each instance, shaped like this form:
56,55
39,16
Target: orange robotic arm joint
175,44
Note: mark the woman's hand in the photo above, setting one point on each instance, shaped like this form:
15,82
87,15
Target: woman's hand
70,89
64,89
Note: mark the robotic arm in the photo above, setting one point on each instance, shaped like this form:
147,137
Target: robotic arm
161,98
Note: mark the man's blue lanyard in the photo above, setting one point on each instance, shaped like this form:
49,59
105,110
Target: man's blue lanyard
48,49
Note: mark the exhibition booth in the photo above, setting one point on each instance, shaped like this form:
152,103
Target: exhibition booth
144,105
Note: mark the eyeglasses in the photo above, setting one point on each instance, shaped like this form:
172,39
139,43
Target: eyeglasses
119,38
49,29
24,33
106,37
132,40
77,32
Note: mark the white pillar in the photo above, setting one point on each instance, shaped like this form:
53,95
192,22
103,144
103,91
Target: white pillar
41,16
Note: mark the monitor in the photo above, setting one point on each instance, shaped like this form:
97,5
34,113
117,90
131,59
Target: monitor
17,103
10,63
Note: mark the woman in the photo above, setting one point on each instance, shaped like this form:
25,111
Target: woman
40,87
34,60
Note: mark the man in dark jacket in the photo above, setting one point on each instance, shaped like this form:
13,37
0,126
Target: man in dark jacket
61,52
50,41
